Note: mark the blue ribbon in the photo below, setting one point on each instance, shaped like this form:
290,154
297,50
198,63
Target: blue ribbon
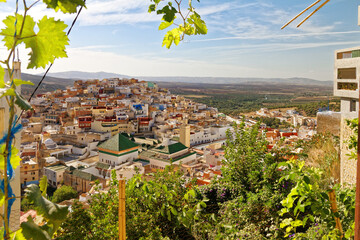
9,170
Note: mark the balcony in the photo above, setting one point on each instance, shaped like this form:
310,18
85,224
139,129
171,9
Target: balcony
347,86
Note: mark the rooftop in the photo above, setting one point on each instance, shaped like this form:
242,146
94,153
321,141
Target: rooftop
172,148
57,168
118,143
84,175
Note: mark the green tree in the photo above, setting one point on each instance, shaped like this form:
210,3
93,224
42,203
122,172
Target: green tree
78,224
64,193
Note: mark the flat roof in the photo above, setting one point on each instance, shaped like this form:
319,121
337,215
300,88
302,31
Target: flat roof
57,168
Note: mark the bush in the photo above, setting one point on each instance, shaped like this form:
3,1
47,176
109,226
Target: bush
64,193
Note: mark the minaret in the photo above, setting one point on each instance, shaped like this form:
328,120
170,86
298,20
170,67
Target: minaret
185,134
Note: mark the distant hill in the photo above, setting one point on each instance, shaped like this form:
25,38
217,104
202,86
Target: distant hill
61,80
214,80
86,75
49,84
225,80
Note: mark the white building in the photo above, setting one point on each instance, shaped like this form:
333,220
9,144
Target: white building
346,86
118,150
55,174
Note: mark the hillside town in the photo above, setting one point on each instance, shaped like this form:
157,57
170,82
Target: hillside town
80,135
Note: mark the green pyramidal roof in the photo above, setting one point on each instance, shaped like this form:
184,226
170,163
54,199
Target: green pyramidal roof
118,143
170,149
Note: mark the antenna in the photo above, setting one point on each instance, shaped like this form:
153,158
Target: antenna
302,12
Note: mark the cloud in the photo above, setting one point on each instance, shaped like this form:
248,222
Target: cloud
88,59
278,47
277,36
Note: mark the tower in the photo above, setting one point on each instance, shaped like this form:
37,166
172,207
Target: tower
185,135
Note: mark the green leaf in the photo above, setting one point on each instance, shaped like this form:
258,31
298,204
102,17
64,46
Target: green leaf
297,223
22,102
325,196
152,8
43,184
33,231
173,211
14,160
192,192
49,43
199,24
19,82
18,235
66,6
9,31
8,92
286,222
169,12
54,213
172,36
168,215
307,179
165,24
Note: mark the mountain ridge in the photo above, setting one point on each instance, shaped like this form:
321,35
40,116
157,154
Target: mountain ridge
214,80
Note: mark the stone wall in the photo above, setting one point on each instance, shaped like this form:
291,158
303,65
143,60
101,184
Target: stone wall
329,122
347,166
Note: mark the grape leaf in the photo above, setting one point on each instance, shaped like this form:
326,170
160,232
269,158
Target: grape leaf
169,12
53,212
14,160
172,36
19,82
165,24
43,185
17,235
22,102
49,43
152,8
32,231
9,31
66,6
7,92
198,23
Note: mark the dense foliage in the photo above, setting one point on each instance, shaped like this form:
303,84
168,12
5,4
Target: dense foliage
273,122
310,109
261,195
64,193
235,104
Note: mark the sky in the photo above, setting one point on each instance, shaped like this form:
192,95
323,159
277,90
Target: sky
244,39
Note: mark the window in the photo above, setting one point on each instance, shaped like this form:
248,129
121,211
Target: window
347,73
353,106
